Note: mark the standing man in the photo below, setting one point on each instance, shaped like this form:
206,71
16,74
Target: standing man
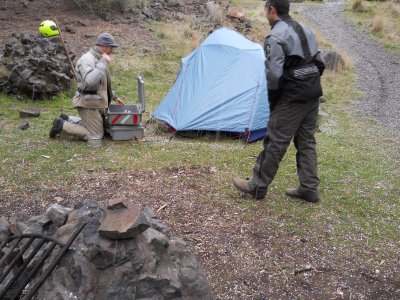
294,67
94,93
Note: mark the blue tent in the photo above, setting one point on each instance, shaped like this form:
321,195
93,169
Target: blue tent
220,87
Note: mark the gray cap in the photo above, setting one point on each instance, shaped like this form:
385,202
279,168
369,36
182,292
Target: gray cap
105,39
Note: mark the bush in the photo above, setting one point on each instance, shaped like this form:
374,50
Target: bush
378,24
357,6
215,12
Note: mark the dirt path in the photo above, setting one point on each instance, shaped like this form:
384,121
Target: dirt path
377,69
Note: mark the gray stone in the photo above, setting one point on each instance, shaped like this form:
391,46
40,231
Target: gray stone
105,253
194,283
333,60
117,203
24,125
75,281
149,212
157,225
4,232
16,226
154,223
26,73
38,224
58,214
154,287
48,223
123,223
29,112
156,240
119,283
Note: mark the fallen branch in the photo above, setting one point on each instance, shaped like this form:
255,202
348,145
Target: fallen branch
162,207
306,268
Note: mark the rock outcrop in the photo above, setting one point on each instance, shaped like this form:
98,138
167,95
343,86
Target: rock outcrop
144,263
35,66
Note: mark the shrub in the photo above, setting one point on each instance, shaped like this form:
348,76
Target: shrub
357,6
215,13
394,8
378,24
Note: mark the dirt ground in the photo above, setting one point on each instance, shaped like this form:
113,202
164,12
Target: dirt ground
241,260
79,28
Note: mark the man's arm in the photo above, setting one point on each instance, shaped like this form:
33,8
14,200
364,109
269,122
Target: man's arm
116,99
320,63
92,73
275,59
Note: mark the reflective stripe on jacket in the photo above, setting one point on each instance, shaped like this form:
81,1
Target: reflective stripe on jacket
283,45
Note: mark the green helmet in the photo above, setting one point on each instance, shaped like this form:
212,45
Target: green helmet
48,28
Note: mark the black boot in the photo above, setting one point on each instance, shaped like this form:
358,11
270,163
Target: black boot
57,127
64,116
294,193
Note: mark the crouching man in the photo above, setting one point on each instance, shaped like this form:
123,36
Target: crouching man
94,93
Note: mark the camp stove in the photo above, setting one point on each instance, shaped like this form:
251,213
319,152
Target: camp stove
124,122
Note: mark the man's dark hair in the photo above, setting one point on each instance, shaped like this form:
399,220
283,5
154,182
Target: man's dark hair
282,6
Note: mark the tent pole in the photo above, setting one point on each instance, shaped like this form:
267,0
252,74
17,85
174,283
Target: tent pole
172,136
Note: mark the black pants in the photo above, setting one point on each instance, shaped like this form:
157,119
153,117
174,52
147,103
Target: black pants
297,121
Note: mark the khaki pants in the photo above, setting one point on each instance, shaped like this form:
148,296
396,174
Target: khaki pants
289,121
89,128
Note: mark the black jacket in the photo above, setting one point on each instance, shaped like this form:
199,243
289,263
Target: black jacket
293,62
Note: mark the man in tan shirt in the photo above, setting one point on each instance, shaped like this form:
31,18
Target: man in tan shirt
94,93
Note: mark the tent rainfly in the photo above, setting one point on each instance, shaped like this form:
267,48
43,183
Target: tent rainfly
220,87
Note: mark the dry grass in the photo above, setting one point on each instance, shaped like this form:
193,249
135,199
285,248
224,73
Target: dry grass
348,63
394,7
382,19
379,24
215,12
184,32
195,40
357,6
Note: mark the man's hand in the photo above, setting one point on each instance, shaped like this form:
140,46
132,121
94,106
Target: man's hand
119,101
106,57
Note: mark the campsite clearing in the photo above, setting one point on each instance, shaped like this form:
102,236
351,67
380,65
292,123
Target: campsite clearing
346,246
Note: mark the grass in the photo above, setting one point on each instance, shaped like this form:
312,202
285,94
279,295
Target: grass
380,18
358,160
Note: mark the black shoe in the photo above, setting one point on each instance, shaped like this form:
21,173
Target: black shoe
57,127
244,186
64,116
294,193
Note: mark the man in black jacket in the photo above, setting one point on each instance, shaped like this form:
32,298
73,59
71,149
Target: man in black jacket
294,67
